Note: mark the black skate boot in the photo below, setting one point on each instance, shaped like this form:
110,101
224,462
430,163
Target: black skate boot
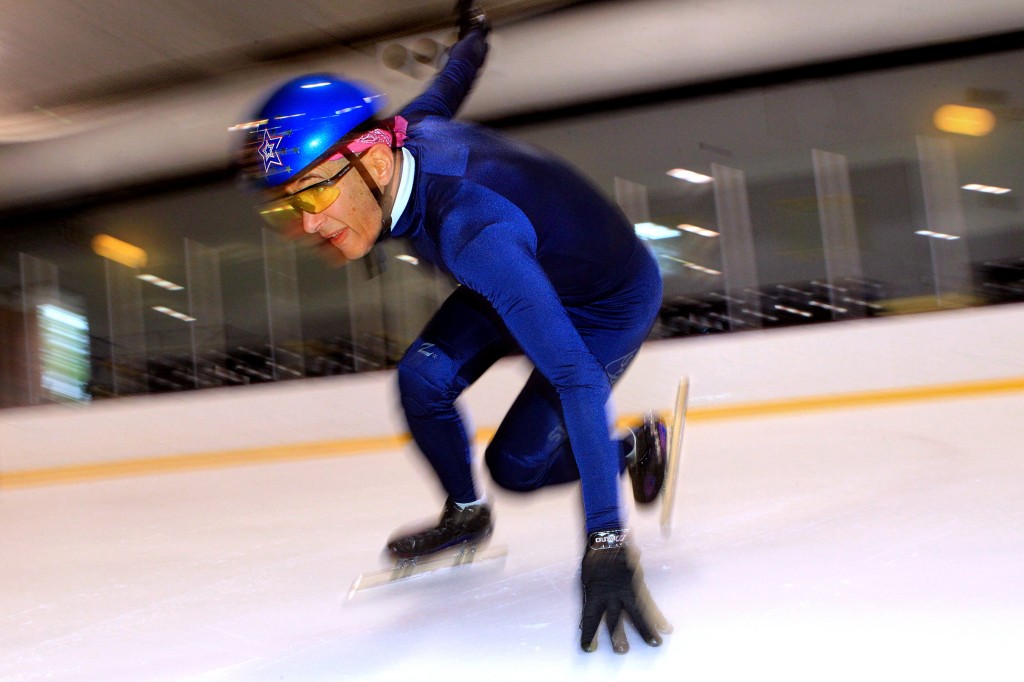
469,526
646,464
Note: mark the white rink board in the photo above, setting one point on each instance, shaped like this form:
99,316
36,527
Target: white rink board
874,354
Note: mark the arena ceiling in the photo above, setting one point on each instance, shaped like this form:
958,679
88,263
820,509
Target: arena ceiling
97,93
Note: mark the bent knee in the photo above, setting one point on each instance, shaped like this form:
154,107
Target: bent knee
510,473
426,388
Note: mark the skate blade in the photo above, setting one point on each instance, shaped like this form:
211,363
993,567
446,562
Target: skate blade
675,455
407,569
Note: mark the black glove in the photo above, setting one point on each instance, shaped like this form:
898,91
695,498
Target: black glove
469,16
613,582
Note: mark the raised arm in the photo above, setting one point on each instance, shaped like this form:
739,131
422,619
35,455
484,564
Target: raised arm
450,87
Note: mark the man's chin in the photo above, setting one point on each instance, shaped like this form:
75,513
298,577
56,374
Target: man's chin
331,254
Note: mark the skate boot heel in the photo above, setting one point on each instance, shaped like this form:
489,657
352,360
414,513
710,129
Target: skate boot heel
459,529
646,466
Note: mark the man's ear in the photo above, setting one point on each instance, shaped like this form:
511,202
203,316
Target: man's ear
380,161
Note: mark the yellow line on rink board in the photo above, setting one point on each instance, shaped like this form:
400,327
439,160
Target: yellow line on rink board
970,389
77,473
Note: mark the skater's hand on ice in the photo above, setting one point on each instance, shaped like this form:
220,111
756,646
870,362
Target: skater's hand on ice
613,583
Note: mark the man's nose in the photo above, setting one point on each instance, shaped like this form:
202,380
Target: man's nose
311,222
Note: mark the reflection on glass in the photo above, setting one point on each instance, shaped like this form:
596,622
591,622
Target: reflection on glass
813,201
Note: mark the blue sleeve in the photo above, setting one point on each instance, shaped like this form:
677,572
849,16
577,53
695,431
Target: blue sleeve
491,248
450,87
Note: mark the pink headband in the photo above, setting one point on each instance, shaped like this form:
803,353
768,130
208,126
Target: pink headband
394,130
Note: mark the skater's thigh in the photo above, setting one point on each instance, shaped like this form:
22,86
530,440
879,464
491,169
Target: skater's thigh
463,338
533,431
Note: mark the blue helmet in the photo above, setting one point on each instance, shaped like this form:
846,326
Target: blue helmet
301,124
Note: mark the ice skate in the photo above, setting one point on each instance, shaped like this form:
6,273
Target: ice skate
646,464
458,540
465,529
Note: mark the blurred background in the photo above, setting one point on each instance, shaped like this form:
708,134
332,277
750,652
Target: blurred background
789,162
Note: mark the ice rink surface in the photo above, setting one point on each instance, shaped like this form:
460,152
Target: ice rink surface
879,543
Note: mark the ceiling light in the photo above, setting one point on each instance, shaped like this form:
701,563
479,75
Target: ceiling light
652,231
699,268
693,266
173,313
160,282
703,232
408,259
118,251
827,306
987,189
937,235
974,121
690,176
793,311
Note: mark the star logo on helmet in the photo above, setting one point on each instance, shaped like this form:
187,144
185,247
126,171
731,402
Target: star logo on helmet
268,150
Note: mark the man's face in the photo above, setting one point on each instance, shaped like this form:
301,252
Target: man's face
351,224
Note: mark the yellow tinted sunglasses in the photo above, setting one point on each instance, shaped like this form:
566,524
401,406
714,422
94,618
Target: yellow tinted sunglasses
288,210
